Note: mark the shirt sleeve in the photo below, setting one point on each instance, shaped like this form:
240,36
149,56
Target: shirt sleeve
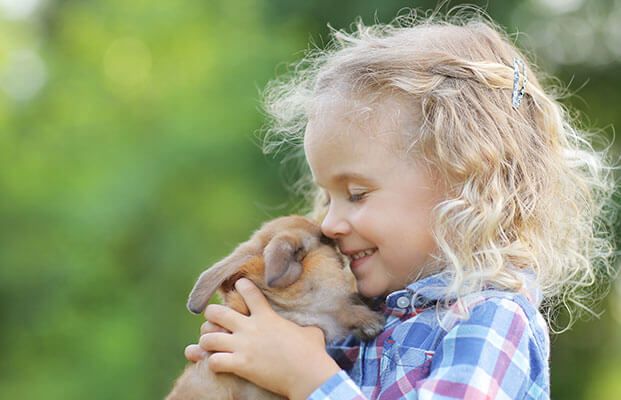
340,386
495,353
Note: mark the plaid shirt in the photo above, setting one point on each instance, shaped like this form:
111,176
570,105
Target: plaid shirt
500,351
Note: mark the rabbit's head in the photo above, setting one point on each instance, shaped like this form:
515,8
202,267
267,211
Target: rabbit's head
284,258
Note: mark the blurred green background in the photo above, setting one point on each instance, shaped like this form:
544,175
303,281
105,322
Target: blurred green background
129,162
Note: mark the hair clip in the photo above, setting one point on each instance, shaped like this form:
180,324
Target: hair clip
516,99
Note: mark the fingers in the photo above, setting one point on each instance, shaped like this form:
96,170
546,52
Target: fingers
194,353
209,327
254,299
224,317
223,362
212,341
216,342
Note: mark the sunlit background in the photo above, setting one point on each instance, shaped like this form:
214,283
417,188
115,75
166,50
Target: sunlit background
129,162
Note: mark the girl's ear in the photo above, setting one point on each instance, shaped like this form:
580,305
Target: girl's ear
211,279
283,257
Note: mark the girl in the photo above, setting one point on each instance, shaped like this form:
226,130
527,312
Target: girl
463,198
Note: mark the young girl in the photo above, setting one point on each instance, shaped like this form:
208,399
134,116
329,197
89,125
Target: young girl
463,199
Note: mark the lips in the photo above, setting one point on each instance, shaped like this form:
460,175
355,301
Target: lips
361,254
357,257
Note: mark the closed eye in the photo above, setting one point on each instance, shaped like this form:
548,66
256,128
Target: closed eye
356,197
299,254
326,199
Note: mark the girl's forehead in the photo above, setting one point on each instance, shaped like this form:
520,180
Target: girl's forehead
391,120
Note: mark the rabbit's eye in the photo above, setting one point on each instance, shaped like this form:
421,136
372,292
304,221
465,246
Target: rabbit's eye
299,254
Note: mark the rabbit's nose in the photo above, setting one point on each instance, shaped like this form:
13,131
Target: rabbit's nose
326,240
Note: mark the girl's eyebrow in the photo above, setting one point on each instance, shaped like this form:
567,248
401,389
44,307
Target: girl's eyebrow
351,176
339,179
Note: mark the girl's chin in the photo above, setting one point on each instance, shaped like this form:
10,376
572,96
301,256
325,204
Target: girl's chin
370,291
376,289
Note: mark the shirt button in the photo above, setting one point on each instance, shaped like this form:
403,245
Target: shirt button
403,302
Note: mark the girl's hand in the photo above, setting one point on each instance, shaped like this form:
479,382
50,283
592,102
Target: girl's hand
195,352
265,348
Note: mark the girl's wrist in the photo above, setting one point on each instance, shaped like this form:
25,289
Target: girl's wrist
321,371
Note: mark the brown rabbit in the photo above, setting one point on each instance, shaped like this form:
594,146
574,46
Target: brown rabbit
303,278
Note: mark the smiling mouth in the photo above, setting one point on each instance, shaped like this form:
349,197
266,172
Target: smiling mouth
362,254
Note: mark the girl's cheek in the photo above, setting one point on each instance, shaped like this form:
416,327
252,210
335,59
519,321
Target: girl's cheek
364,217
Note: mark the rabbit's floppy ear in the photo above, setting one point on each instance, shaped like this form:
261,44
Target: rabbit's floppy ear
283,257
211,279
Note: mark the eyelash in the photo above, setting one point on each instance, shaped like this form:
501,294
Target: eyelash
352,198
327,200
356,197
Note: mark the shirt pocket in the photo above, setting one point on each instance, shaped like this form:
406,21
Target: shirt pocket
399,360
405,356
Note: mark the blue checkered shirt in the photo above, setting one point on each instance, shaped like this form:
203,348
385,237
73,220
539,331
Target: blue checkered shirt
499,350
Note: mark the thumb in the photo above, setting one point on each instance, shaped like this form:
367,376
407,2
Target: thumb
253,297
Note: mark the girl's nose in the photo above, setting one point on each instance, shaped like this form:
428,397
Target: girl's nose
335,226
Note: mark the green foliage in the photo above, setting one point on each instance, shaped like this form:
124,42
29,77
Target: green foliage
135,166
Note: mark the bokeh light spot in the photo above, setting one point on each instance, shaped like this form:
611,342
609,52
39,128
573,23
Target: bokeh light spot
18,9
561,6
22,74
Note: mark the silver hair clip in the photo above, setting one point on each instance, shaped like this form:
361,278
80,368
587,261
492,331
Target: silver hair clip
516,99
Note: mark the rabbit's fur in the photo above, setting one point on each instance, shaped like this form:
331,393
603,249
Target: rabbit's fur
303,278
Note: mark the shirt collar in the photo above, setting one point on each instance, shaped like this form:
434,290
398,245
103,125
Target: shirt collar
418,295
428,291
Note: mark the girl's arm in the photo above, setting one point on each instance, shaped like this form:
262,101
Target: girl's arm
500,351
265,348
501,348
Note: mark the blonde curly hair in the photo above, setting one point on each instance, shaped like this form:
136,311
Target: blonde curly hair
525,186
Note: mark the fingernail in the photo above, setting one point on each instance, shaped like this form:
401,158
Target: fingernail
243,283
